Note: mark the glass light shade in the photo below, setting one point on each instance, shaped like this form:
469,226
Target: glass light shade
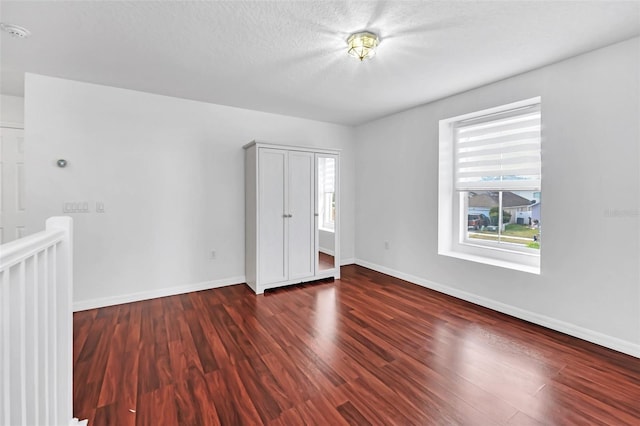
362,45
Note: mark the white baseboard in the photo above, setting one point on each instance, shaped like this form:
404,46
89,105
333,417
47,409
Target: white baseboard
83,305
76,422
349,261
326,251
592,336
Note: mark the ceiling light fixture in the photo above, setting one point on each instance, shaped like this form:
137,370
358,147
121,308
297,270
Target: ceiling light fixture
363,45
15,31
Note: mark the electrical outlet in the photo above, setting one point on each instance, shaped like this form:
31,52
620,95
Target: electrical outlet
386,245
212,255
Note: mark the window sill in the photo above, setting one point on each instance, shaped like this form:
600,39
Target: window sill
326,229
492,261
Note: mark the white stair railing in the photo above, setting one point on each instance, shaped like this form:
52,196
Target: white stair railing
36,282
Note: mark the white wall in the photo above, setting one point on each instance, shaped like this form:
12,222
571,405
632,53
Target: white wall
170,173
589,284
11,109
326,241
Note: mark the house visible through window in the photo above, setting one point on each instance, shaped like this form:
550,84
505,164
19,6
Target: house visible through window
491,205
517,211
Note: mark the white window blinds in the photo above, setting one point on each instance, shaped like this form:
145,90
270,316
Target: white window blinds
499,151
327,174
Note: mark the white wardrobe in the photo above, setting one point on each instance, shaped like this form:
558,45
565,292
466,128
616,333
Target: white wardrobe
292,215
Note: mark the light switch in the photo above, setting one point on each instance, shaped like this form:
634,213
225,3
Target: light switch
75,207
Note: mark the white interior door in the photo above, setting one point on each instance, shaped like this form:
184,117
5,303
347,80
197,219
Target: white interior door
272,216
12,206
301,198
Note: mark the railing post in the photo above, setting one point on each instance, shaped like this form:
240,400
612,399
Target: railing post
64,328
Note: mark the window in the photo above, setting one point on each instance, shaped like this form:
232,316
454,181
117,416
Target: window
515,210
490,186
327,193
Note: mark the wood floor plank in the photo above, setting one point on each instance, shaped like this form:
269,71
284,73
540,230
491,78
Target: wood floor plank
203,403
297,387
379,403
269,383
599,384
128,391
237,393
266,405
133,332
148,379
116,413
352,415
287,418
113,373
521,419
253,331
328,409
205,354
573,404
81,328
365,349
94,335
228,413
85,393
187,348
186,408
308,365
157,407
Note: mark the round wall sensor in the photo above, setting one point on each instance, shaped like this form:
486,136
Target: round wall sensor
15,30
62,163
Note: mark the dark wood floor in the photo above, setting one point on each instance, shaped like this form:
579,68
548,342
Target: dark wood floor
367,349
325,261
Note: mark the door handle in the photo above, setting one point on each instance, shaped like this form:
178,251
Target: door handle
287,215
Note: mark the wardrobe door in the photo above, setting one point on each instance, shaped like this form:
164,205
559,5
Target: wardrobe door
272,216
301,206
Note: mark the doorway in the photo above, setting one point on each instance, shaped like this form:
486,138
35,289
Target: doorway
12,184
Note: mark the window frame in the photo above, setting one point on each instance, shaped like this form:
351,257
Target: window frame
327,207
452,214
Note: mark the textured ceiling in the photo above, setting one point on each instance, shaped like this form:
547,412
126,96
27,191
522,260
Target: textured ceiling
289,57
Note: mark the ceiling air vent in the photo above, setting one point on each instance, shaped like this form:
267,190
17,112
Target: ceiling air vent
15,31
